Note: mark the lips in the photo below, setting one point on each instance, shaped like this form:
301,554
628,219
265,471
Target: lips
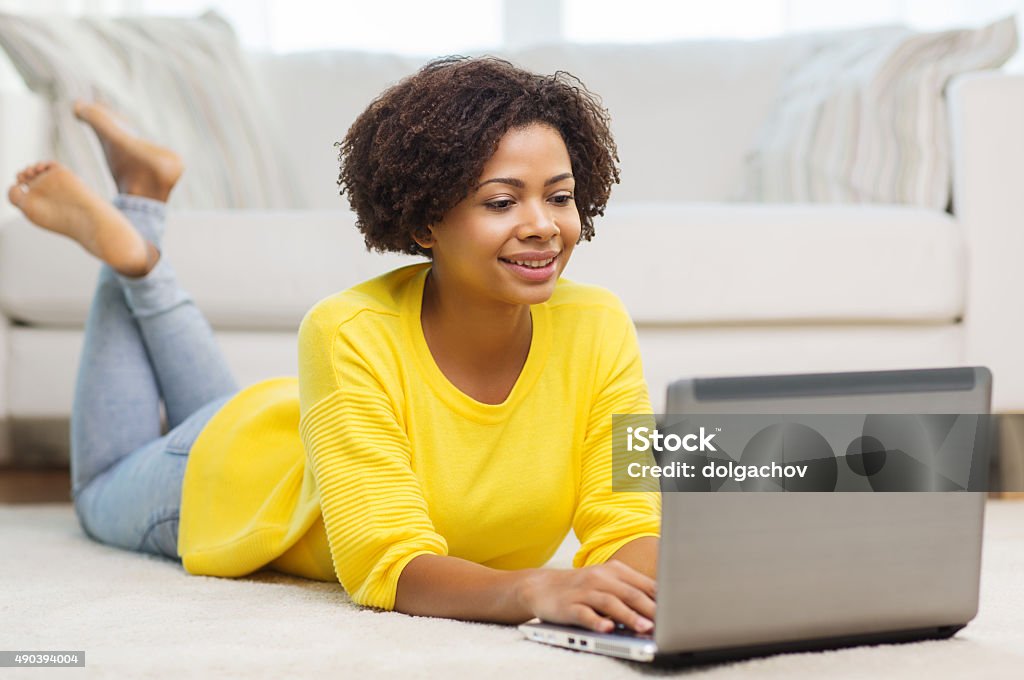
528,257
535,264
532,266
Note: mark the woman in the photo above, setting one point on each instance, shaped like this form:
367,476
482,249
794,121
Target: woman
451,420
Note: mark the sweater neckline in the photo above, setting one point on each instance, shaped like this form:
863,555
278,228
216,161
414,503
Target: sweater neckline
540,344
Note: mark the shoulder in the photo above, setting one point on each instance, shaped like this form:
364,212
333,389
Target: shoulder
590,320
583,302
376,301
594,334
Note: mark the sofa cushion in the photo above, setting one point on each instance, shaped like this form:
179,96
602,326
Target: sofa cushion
717,263
683,113
670,263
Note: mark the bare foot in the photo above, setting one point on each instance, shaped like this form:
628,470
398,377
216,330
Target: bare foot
54,198
139,167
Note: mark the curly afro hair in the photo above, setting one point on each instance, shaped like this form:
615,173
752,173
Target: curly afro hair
419,148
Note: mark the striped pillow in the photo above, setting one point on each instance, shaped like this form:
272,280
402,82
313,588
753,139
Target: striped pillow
861,117
178,81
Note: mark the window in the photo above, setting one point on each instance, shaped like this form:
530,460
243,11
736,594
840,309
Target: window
655,20
412,28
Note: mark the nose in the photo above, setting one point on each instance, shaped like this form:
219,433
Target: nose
538,222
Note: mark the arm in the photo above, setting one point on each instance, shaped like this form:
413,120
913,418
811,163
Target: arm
640,554
593,597
615,524
455,588
374,512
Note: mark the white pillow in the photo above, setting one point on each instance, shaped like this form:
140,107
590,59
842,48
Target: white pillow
862,118
181,82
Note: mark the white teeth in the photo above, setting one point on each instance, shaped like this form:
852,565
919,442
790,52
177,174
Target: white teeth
534,264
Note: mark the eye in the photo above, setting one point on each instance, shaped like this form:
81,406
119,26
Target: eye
498,206
564,199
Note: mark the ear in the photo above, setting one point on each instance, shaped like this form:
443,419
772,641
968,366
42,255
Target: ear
424,237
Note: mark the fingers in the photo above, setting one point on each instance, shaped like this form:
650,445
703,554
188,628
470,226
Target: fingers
596,597
634,577
611,606
588,618
637,600
620,592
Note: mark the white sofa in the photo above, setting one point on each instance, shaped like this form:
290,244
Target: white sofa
715,288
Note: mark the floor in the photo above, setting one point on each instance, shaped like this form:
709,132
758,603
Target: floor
43,485
132,615
256,626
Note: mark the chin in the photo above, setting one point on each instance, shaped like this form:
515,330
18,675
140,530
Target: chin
537,295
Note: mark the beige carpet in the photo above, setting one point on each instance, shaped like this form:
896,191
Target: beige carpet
138,617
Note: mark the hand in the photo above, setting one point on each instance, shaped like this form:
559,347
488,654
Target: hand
592,597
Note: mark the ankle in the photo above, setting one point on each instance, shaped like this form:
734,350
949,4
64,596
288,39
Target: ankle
140,270
145,188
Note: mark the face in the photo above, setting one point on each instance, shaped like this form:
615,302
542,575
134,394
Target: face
509,240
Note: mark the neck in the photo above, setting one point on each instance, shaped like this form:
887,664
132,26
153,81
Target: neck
480,333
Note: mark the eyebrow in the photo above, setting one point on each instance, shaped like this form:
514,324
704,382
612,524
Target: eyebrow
513,181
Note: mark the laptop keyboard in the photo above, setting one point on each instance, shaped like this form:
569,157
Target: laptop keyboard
625,631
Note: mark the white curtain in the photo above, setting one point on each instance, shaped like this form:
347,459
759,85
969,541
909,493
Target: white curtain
643,20
652,20
64,6
460,25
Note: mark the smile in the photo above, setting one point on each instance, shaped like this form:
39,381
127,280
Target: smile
529,267
534,264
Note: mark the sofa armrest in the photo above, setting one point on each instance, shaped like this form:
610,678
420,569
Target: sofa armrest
25,138
5,354
985,112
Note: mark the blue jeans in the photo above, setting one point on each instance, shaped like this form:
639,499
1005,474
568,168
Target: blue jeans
144,340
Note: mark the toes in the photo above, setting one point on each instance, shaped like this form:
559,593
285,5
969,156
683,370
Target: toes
81,109
27,174
16,194
91,113
33,171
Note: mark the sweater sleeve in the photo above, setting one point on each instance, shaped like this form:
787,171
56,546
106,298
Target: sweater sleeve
374,511
606,520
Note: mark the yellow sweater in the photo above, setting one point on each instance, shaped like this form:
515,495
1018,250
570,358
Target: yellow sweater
372,457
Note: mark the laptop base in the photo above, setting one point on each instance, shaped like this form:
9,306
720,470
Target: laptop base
711,656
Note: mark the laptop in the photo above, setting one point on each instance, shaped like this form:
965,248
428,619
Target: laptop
746,574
